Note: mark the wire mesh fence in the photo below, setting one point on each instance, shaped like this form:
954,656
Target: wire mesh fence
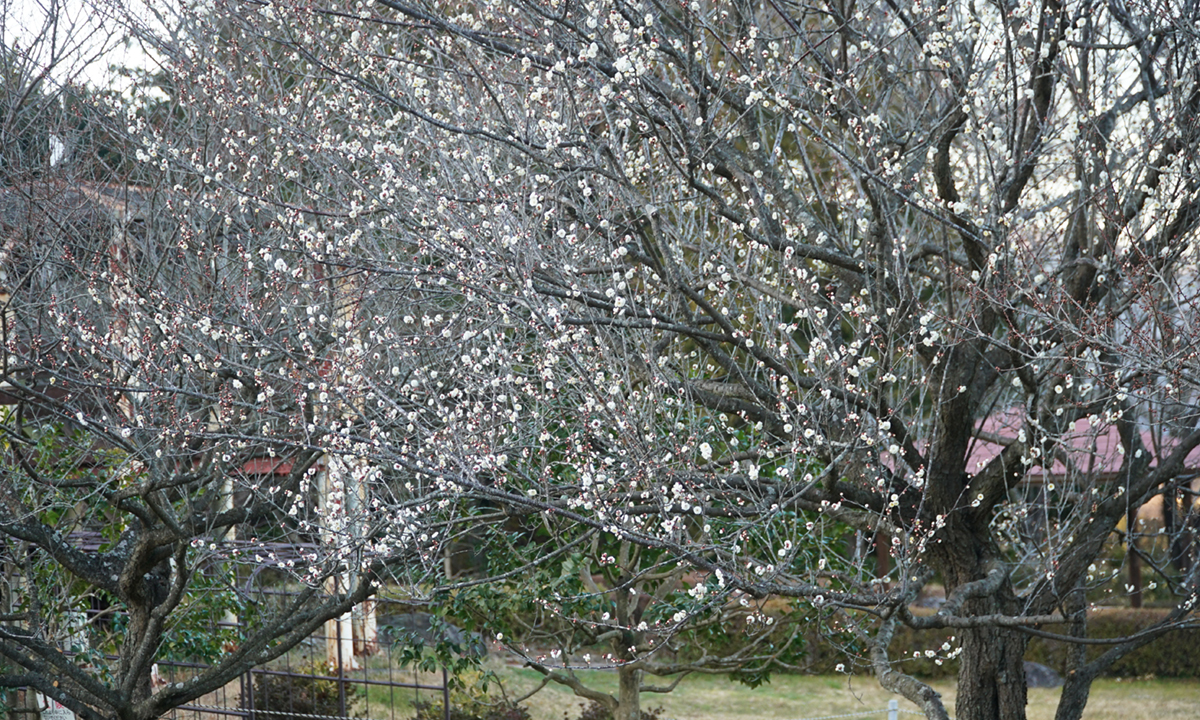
303,685
334,674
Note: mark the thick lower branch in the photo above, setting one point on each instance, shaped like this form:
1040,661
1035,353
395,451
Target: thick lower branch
928,699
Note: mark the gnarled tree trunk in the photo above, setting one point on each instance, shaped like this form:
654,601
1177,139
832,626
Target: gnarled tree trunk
629,694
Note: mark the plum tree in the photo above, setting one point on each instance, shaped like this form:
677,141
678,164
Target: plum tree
746,285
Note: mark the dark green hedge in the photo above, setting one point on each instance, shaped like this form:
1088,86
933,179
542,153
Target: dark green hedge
1175,654
1172,655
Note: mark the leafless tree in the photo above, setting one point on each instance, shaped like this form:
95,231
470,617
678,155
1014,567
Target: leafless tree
169,419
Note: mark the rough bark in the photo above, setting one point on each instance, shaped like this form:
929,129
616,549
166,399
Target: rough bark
991,681
991,678
1077,683
928,699
629,694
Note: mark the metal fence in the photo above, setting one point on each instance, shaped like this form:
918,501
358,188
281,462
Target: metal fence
303,693
298,685
301,685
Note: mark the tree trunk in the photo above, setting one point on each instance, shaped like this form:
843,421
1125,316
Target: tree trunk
629,676
883,555
629,694
135,632
991,676
1074,698
1135,560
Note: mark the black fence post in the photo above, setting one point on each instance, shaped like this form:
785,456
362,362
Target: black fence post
445,694
248,696
341,670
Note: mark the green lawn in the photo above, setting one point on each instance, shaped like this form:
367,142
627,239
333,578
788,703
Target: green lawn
792,697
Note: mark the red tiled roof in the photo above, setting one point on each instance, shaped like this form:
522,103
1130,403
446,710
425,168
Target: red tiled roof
267,466
1091,449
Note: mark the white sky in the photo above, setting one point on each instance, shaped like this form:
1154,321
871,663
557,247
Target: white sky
78,38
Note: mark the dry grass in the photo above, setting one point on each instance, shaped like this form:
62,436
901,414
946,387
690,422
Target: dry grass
791,697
